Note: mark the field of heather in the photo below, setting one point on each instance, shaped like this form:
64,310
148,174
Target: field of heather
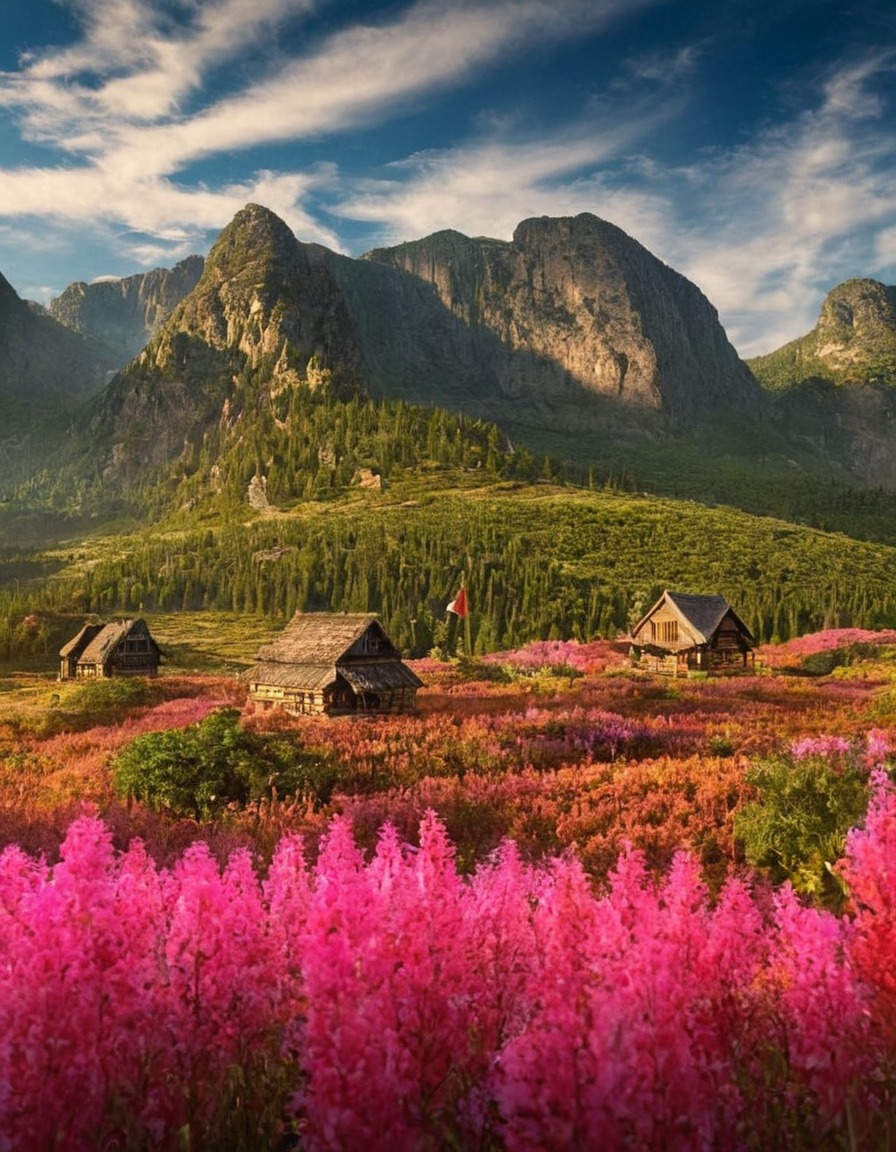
563,906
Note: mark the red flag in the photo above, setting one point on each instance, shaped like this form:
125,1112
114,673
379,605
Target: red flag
459,604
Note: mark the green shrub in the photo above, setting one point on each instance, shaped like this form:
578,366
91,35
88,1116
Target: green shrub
96,703
797,828
202,769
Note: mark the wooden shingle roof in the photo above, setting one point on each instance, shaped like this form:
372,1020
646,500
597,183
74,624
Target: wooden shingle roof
699,615
105,642
79,642
315,638
381,677
96,642
314,648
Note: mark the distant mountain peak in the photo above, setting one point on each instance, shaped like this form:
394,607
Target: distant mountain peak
857,312
853,343
121,314
577,309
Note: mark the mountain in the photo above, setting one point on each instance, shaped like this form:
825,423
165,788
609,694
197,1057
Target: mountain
572,338
853,343
571,328
122,315
574,308
835,387
264,318
46,373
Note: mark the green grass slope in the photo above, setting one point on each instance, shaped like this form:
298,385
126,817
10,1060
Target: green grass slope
540,561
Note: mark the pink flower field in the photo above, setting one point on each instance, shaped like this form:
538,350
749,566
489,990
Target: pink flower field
523,920
391,1004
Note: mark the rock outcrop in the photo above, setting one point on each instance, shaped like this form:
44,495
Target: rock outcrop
571,334
573,308
853,343
835,387
122,315
264,315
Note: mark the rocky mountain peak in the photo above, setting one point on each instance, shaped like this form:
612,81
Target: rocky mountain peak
46,372
8,294
255,243
264,317
856,317
262,296
574,303
121,315
853,343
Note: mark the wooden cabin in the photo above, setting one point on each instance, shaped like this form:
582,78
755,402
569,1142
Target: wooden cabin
122,648
333,663
684,633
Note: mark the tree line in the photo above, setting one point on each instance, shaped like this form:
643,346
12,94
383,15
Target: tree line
538,563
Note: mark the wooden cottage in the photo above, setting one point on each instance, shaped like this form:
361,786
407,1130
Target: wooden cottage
334,663
683,633
122,648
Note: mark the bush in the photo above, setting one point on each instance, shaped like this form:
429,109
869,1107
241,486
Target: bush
798,827
199,770
97,703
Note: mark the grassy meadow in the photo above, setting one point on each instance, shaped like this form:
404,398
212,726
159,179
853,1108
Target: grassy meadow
564,904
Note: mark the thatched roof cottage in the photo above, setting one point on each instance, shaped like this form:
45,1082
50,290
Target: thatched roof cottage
334,663
122,648
688,633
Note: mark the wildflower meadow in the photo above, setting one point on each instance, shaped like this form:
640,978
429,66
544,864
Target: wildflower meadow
554,910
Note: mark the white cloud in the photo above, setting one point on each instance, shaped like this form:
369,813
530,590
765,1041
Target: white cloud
765,229
117,101
489,187
791,215
885,252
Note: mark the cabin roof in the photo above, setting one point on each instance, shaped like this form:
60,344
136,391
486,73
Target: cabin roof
701,615
80,640
382,676
318,638
109,636
306,677
309,653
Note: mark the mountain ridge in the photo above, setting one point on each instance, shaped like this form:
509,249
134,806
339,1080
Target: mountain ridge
852,343
593,306
123,314
572,337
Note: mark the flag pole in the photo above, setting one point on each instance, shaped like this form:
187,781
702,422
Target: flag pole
459,607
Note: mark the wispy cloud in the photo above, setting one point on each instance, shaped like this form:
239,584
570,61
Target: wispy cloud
802,207
765,229
128,107
152,93
493,183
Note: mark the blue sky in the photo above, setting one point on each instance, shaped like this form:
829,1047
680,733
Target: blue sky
750,145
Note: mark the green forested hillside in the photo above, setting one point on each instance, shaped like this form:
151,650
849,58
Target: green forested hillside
539,560
298,443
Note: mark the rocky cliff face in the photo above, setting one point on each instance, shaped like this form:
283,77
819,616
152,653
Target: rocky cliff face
571,331
572,327
835,387
261,296
46,372
264,315
853,343
122,315
574,308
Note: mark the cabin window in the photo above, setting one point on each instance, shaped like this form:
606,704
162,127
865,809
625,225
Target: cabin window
666,631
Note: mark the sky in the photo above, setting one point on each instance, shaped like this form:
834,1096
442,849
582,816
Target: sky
751,145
